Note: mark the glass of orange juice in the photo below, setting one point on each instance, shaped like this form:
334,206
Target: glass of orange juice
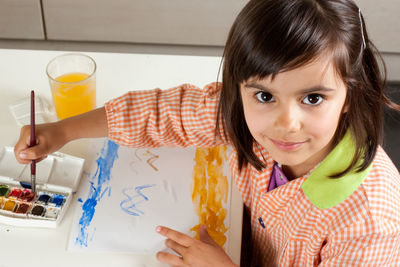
72,79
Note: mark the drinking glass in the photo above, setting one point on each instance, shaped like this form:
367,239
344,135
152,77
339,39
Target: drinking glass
72,79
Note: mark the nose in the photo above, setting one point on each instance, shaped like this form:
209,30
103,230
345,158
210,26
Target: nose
288,118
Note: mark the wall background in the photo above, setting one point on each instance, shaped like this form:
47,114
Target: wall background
158,26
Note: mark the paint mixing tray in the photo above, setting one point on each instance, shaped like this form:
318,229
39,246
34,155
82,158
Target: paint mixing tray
57,178
21,111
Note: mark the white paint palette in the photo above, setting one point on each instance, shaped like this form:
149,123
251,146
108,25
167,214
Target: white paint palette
57,178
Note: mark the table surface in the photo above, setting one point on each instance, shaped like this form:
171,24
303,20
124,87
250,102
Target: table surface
23,71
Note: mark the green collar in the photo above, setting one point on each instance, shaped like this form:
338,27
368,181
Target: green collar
325,192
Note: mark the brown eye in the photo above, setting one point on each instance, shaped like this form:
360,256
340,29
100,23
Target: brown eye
264,97
313,99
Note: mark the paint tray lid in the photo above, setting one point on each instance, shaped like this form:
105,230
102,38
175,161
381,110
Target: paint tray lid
21,111
57,169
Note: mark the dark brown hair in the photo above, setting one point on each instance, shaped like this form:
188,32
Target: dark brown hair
272,36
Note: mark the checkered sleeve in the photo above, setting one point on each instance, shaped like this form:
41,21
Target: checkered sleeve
177,117
241,178
374,243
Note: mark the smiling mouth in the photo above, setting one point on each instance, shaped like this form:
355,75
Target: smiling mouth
287,146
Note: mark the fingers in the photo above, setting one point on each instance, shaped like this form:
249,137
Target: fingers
205,237
175,246
28,161
46,142
22,145
26,155
40,159
192,252
170,259
176,236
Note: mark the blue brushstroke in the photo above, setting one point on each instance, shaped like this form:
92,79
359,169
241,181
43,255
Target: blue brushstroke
99,185
128,205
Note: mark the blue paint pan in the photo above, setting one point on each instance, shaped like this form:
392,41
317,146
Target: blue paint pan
57,200
44,198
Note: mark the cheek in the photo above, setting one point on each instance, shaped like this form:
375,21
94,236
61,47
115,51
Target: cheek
257,122
323,125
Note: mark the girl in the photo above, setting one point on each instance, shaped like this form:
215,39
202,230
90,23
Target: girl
301,102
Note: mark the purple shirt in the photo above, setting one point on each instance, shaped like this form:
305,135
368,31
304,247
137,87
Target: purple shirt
277,178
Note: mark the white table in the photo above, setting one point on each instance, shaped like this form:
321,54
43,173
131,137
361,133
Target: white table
24,70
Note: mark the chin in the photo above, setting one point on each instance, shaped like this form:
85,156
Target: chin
289,159
289,162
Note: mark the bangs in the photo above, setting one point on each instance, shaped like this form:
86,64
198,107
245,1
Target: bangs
300,32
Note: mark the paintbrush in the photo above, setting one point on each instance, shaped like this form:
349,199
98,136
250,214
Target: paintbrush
33,142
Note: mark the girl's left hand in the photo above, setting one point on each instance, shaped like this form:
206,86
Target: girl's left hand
195,253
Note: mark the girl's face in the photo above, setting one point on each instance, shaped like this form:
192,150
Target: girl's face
295,115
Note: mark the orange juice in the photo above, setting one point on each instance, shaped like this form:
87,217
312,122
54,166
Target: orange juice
74,93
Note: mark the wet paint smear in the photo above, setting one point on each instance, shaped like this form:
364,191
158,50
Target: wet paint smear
15,193
99,186
4,190
28,197
210,192
130,205
52,212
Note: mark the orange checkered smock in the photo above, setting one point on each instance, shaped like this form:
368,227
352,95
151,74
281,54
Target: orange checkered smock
299,227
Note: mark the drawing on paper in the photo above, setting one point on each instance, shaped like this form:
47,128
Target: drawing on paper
128,192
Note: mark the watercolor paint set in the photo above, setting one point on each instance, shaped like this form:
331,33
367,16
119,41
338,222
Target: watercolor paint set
57,178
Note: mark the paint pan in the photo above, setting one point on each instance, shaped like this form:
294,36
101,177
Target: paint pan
28,197
38,210
15,193
24,192
9,205
52,212
4,189
2,201
22,208
57,200
44,198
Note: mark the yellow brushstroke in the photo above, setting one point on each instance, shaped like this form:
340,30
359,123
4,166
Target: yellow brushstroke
210,192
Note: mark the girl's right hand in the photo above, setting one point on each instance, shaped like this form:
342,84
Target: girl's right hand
49,138
52,136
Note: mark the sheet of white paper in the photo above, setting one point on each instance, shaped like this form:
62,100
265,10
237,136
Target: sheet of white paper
125,193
